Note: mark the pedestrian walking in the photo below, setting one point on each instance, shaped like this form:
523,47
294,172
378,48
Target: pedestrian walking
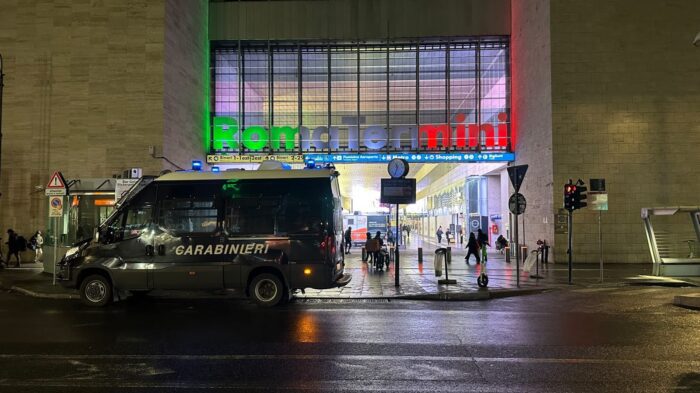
378,243
390,237
37,242
404,234
408,232
348,240
461,236
483,240
472,248
438,233
447,235
13,247
370,246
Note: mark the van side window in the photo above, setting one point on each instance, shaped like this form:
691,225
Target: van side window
276,207
252,215
189,209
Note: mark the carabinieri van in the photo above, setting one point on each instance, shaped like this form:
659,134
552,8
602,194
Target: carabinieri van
266,233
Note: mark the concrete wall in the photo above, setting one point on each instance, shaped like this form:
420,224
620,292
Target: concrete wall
357,19
625,107
83,95
186,75
90,85
532,116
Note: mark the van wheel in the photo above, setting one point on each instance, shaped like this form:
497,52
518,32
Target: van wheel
96,291
266,290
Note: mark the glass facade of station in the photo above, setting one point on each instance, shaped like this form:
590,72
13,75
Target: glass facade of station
357,98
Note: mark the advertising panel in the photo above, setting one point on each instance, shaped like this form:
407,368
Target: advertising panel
359,227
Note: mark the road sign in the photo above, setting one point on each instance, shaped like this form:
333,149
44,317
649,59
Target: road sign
56,185
517,203
598,200
122,187
517,174
597,185
56,206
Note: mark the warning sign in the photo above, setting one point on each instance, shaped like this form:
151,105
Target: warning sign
55,206
56,185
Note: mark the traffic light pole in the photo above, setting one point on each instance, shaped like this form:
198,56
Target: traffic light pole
398,239
571,251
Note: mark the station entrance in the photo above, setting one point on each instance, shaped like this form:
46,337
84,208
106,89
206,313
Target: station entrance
443,105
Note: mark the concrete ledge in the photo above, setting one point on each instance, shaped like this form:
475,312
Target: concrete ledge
688,301
484,294
43,295
659,280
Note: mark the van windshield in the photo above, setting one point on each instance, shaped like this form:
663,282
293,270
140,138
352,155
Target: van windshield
133,191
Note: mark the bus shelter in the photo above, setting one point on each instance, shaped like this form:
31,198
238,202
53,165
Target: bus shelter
673,234
87,203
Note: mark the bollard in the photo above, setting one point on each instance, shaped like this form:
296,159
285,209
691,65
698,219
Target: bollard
523,252
364,255
448,255
507,254
420,254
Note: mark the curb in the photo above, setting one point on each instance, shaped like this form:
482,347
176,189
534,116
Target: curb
692,302
65,296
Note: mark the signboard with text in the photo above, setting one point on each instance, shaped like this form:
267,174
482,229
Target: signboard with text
55,206
398,191
227,136
374,158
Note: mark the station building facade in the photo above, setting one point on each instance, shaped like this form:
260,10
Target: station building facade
598,89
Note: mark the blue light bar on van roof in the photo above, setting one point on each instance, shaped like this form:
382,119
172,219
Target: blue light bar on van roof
196,165
215,169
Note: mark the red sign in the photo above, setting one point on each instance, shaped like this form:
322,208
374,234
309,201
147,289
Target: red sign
56,181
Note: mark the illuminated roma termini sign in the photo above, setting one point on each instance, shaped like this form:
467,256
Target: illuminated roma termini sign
227,137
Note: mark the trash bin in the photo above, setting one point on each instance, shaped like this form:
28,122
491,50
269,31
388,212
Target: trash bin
439,260
507,251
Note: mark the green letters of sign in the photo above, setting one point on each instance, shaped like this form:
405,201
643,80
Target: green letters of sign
225,130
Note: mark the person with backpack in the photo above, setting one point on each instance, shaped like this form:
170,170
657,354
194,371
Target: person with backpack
37,243
14,247
472,248
348,240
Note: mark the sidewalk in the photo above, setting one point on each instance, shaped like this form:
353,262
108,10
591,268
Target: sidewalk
417,281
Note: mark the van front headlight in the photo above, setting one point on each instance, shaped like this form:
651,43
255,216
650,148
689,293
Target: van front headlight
71,253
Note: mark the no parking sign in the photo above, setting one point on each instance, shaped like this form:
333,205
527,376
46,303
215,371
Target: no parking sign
55,206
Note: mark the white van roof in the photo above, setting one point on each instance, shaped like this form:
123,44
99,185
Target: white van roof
226,175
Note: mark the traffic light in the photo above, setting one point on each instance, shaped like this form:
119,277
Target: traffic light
569,196
580,197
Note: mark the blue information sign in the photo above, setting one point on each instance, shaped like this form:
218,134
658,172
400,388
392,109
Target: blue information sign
410,157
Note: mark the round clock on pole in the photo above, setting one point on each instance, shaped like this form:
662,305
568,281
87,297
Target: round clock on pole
398,168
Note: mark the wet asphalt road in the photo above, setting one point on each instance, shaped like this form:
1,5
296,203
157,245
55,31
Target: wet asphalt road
628,339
